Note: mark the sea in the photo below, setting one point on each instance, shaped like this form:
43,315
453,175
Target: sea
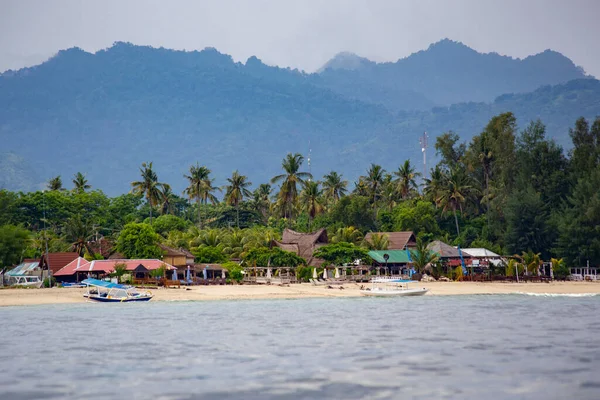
433,347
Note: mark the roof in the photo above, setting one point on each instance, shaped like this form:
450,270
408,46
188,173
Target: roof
104,284
444,250
396,256
108,266
397,240
24,268
170,251
303,244
209,267
58,260
77,264
481,252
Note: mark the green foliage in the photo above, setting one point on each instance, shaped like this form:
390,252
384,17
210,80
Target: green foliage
120,270
341,253
274,257
209,254
235,271
418,216
355,211
168,223
422,256
138,241
159,272
13,241
560,269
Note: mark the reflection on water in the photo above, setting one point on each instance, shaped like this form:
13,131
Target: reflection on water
429,347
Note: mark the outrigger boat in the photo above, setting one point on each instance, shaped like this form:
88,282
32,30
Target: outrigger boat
109,292
392,287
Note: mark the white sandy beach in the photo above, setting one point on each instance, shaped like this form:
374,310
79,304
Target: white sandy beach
16,297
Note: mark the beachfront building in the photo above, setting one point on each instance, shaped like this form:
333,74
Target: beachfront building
397,240
80,269
179,258
390,262
484,258
303,244
28,268
449,256
586,273
56,261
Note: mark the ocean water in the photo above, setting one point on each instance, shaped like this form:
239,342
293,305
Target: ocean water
467,347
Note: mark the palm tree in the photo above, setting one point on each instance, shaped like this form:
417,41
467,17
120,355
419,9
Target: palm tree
288,192
80,182
348,235
531,261
79,233
261,199
310,198
209,238
405,179
234,243
55,183
456,190
236,191
168,201
374,181
434,185
334,187
379,241
200,188
149,187
422,256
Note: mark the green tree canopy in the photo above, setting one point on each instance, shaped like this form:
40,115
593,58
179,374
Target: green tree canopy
342,253
13,241
138,240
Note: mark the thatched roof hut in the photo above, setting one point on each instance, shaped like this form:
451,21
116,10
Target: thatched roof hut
303,244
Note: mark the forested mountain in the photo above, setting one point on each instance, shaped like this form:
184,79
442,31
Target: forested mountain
447,72
105,113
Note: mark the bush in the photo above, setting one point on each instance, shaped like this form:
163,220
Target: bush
46,282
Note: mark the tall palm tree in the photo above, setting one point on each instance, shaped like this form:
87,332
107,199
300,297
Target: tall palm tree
405,179
55,183
236,191
311,201
79,233
378,241
374,181
348,235
149,186
261,199
167,205
288,192
456,190
80,182
200,188
334,187
422,256
434,185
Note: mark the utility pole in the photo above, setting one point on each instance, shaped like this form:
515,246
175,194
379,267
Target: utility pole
308,160
423,141
46,241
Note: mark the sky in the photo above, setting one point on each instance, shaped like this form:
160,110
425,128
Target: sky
301,34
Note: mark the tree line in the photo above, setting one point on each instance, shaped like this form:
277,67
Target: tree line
507,190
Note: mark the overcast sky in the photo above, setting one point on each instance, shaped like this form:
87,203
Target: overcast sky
301,34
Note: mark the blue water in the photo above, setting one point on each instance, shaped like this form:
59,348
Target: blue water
468,347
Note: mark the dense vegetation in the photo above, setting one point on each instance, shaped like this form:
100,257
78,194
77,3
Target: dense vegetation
515,192
106,113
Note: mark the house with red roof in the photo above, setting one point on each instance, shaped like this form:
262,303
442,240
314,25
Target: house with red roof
80,269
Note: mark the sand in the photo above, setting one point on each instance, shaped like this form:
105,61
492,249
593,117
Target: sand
19,297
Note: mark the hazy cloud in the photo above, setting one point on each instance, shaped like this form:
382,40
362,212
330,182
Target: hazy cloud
301,34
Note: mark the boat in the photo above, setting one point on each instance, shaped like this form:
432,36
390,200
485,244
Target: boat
26,281
109,292
392,287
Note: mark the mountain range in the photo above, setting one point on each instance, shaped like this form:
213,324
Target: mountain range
105,113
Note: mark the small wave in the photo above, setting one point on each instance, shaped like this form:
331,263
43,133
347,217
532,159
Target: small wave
558,294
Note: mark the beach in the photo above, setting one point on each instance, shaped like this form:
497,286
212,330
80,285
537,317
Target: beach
19,297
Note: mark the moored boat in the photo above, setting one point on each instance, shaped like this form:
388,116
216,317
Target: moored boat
391,287
109,292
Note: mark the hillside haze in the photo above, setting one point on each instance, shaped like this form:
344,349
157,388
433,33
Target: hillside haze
105,113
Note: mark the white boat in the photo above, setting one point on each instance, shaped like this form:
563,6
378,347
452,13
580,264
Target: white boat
108,292
26,281
392,287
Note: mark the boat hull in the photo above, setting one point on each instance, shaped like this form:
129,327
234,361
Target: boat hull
123,300
394,293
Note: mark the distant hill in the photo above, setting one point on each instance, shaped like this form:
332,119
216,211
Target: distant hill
105,113
447,72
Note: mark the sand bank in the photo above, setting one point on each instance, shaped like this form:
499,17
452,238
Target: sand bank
16,297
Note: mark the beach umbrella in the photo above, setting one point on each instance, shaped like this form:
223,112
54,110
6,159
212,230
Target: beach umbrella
189,274
337,273
204,273
175,274
315,276
223,273
324,273
269,273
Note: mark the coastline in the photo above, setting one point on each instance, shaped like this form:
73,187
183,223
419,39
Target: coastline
22,297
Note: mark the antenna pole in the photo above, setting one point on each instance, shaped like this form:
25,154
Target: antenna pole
424,142
309,154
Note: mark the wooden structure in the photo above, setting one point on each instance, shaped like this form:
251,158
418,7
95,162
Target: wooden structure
397,240
303,244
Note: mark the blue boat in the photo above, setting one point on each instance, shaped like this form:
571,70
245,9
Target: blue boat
109,292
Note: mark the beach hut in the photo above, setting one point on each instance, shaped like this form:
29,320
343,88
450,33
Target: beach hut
390,262
303,244
397,240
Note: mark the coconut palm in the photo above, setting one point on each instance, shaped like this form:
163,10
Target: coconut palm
374,181
288,192
405,179
348,235
234,242
209,238
236,191
334,187
55,183
80,182
167,205
434,185
310,199
422,256
531,261
260,236
149,187
456,190
261,199
79,233
200,188
378,241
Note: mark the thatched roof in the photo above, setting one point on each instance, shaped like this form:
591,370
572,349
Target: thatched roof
303,244
398,240
444,250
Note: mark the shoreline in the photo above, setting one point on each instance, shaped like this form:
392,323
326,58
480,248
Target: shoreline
23,297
